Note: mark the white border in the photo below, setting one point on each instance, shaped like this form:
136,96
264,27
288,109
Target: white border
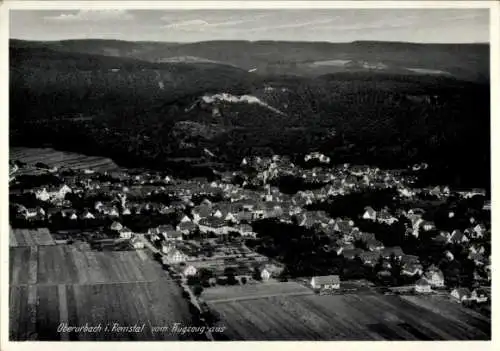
182,5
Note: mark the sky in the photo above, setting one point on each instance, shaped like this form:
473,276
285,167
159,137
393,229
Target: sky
333,25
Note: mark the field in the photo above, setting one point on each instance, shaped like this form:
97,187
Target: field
66,264
50,285
351,317
41,308
52,158
30,237
253,291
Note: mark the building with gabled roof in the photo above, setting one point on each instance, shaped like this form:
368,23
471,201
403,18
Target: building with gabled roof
327,282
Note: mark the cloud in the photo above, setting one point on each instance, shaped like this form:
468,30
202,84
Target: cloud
200,24
91,16
311,24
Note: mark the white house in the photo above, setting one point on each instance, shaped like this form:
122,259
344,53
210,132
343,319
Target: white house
125,233
265,274
479,295
435,278
137,243
328,282
189,270
422,286
370,214
461,294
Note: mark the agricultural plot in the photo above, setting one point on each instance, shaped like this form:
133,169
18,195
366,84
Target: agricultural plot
56,158
36,311
30,237
349,317
64,264
254,291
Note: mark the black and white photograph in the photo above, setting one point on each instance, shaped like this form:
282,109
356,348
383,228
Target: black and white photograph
240,173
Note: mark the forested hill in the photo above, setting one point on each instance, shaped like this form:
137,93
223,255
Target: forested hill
464,61
142,112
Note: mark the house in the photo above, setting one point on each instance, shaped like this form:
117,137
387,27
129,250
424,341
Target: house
427,225
328,282
125,233
213,224
172,235
369,214
435,277
265,274
478,258
351,253
173,256
87,215
246,230
201,211
478,231
343,226
374,245
390,251
369,258
461,294
385,217
185,219
42,194
116,226
270,270
412,269
137,243
487,205
457,237
187,228
422,286
189,271
479,295
163,229
69,213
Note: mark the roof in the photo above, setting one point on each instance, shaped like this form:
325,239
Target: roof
173,234
462,291
187,225
396,250
245,227
327,279
422,282
369,210
165,228
203,210
429,274
212,222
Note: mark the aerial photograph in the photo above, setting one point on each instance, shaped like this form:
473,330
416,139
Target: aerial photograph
249,174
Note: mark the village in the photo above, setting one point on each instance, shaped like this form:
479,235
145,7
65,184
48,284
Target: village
231,232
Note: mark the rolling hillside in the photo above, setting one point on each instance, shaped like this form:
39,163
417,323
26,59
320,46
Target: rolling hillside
464,61
121,104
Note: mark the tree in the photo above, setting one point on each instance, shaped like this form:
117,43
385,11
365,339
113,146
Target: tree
256,274
193,280
230,273
197,290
